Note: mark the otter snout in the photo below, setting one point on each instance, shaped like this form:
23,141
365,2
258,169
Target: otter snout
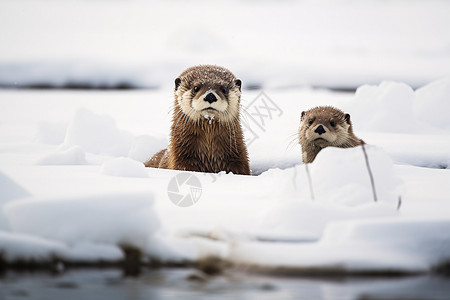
320,130
211,98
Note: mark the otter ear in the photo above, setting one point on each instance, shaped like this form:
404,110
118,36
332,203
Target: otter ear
238,82
347,118
177,83
303,116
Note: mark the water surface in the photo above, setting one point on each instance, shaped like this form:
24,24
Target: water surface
111,284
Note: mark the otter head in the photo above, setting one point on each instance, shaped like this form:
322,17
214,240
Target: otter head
324,126
209,93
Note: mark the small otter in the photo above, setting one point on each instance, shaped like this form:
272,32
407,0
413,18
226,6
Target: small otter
325,126
206,133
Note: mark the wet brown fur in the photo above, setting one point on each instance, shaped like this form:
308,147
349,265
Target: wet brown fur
199,144
340,135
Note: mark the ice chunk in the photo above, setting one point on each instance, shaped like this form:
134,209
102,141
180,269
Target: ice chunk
145,146
387,108
72,156
111,219
9,191
432,104
97,134
123,166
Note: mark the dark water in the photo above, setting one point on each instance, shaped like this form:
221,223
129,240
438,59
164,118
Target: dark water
185,284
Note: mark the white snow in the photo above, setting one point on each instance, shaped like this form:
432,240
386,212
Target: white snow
16,246
357,246
145,144
404,110
51,133
57,204
9,191
126,219
341,193
350,183
123,166
396,101
432,106
72,182
71,156
97,134
22,247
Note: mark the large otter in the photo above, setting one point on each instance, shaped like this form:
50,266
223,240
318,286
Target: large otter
325,126
206,133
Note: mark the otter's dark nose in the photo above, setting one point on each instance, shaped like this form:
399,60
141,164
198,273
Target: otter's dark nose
210,98
320,130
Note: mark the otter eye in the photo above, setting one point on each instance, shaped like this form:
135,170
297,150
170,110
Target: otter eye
225,90
310,121
333,123
196,88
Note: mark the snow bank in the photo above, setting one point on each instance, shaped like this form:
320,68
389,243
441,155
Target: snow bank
395,108
14,246
123,166
341,176
22,247
72,156
87,229
432,105
145,146
51,133
97,134
110,219
102,213
423,150
341,190
306,221
357,246
10,190
386,107
90,230
92,252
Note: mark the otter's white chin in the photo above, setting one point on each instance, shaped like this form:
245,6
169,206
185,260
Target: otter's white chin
208,115
210,118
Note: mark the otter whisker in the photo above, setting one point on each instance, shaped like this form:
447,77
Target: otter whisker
184,123
232,130
245,114
179,115
293,141
229,132
171,108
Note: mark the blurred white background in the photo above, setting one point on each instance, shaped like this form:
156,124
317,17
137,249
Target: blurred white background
277,44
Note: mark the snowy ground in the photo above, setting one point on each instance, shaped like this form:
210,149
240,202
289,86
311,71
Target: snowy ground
73,186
